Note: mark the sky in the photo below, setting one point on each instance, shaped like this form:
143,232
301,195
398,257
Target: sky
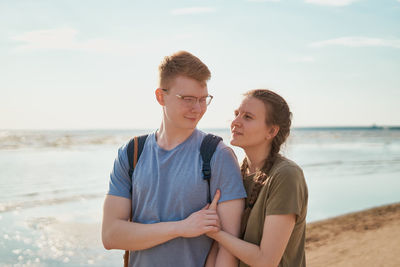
92,64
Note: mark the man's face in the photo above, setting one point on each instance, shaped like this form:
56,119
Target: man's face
179,113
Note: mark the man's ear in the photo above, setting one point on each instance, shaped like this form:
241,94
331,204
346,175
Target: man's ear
160,96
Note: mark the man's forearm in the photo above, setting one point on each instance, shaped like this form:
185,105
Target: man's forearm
118,233
230,213
126,235
212,255
246,252
225,258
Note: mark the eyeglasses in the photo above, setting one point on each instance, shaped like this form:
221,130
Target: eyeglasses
190,101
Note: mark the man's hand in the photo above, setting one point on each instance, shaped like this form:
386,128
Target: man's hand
214,203
213,206
203,221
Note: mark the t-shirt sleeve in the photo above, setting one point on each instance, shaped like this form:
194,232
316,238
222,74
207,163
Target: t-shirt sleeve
120,183
287,192
225,174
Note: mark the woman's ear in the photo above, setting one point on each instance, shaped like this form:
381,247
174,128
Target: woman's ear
273,131
160,96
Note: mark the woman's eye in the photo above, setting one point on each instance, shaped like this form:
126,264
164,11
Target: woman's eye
247,117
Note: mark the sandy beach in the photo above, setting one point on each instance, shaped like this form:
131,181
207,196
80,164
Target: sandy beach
366,238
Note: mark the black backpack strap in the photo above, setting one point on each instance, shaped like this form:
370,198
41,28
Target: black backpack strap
207,149
130,150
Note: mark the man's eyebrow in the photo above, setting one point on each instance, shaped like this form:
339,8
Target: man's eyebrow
203,96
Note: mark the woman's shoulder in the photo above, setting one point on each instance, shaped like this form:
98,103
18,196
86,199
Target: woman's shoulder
287,169
284,164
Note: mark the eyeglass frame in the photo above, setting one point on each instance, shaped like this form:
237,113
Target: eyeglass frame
182,97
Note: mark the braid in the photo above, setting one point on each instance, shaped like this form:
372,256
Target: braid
259,180
278,114
244,167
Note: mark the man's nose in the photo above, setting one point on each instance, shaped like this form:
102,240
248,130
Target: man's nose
196,106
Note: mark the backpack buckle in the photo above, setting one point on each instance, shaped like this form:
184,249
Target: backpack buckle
206,172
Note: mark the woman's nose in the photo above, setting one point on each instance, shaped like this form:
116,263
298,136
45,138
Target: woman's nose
236,121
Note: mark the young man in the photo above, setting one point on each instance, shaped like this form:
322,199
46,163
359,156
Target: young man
167,194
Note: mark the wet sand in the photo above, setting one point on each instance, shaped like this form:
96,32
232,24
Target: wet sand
366,238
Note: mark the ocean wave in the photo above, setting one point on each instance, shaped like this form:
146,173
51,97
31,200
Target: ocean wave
61,139
354,163
19,139
26,204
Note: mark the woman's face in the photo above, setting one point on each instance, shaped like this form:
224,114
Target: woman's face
249,128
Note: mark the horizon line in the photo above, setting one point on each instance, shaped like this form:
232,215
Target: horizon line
335,127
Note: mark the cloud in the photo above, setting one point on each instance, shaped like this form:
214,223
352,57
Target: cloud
66,39
192,10
302,59
358,42
331,2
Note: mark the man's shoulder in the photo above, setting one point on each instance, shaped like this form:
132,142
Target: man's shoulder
145,136
222,148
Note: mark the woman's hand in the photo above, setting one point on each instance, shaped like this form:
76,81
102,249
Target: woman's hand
203,221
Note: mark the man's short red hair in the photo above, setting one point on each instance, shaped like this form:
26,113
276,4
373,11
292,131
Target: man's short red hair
182,63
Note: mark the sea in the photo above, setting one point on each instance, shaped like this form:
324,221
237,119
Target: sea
53,185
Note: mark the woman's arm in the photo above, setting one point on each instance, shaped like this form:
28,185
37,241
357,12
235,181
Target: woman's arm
276,234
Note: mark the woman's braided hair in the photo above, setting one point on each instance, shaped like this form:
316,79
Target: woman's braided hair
277,113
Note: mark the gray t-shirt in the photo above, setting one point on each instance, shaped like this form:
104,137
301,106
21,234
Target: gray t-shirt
167,185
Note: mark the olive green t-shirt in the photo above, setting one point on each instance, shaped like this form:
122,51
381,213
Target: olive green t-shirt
283,192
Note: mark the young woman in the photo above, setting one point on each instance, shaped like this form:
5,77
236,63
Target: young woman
273,225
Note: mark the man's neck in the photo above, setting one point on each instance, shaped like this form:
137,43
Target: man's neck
170,137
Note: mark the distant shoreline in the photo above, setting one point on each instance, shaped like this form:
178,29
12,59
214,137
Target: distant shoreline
298,128
346,128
